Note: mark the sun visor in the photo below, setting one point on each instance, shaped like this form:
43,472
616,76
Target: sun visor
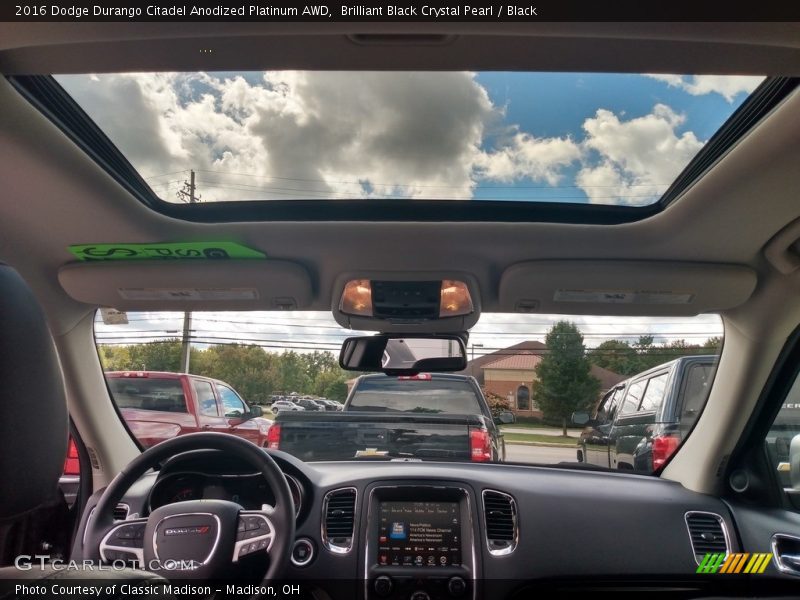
186,285
628,288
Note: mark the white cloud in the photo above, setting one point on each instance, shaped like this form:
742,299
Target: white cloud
297,133
727,86
316,134
293,134
540,159
632,162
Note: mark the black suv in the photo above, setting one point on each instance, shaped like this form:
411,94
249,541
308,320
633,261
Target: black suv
640,422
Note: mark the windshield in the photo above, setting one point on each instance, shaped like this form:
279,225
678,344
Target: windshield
607,392
579,138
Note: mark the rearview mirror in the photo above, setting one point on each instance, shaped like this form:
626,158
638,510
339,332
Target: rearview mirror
403,354
255,411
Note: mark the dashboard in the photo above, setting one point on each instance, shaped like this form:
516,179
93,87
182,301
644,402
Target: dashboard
246,489
444,531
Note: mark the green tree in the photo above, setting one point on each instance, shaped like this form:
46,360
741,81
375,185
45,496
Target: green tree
615,355
292,372
564,384
115,358
317,362
247,368
713,345
156,356
336,390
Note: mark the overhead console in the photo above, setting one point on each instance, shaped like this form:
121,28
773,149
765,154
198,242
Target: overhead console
423,302
420,542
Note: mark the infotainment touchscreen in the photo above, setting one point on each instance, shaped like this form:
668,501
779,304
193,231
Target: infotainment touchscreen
419,534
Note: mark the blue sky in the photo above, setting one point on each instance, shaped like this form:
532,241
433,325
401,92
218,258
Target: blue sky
557,104
602,138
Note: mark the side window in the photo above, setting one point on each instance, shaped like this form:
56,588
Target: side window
781,436
231,403
694,393
632,398
613,405
654,394
69,482
146,393
206,401
609,405
605,406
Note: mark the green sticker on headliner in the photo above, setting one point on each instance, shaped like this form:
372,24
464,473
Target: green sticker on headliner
178,251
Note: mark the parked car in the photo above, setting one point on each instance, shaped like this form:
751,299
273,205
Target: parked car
310,404
158,406
331,404
640,422
284,405
431,416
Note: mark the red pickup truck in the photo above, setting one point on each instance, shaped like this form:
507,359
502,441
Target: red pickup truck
158,406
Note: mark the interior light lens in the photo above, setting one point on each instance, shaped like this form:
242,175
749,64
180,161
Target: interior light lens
400,300
357,298
456,300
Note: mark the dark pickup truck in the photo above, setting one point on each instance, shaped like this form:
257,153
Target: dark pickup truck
426,416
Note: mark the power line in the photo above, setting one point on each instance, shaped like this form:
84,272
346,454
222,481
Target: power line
371,183
149,177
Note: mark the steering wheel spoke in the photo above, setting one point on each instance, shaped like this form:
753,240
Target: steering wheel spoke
254,533
124,542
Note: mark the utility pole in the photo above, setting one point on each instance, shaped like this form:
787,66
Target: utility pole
187,194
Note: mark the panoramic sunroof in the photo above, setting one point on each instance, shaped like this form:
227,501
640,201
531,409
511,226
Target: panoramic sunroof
607,139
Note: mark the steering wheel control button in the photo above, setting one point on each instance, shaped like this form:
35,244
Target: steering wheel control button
254,533
457,587
383,586
124,543
129,532
302,552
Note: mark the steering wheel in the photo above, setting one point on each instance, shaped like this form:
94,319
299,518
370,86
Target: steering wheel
196,539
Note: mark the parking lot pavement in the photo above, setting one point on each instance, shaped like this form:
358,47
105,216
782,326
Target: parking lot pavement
539,454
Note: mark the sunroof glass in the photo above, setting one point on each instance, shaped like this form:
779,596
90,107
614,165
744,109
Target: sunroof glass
612,139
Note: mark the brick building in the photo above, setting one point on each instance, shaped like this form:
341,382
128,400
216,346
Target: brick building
510,373
512,378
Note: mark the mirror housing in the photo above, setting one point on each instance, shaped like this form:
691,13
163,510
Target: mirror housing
398,354
794,462
581,418
505,418
255,411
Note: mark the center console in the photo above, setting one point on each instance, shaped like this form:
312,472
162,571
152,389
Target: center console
420,542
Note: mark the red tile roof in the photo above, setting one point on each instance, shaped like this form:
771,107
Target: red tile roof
523,361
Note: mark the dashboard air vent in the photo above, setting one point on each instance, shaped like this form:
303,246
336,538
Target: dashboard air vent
338,522
500,513
707,533
121,512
